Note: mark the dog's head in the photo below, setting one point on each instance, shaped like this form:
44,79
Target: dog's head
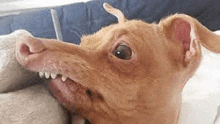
129,72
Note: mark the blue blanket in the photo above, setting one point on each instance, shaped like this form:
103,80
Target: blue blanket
85,18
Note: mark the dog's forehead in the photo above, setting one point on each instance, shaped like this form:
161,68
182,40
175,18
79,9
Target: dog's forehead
133,28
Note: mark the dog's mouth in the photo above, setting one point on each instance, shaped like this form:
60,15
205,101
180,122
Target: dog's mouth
69,93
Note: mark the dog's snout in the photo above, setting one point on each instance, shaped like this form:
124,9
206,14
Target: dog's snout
27,46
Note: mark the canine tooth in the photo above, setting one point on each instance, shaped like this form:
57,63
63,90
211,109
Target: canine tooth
47,75
41,74
53,75
64,78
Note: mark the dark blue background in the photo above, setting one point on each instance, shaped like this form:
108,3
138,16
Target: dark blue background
86,18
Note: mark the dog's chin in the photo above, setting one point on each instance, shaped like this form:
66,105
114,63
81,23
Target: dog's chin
70,94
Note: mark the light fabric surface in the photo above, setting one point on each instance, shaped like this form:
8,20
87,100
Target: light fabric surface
22,101
201,95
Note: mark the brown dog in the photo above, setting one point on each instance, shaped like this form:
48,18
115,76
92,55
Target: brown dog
129,73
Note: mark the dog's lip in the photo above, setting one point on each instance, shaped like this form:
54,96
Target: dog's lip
69,93
74,101
56,86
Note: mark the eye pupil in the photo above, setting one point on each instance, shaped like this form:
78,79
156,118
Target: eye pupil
123,52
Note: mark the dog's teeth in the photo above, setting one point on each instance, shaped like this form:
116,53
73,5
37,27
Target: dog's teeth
53,75
41,74
47,75
64,78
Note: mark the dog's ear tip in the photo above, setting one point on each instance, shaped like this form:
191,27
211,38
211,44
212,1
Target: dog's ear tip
104,4
107,6
206,37
116,12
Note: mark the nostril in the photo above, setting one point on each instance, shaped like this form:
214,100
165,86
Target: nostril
29,45
26,46
24,50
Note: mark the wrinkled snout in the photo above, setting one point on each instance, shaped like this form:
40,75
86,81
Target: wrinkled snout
63,62
50,56
39,54
26,46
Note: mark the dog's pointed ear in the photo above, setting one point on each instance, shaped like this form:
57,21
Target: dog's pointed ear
190,33
116,12
180,29
185,27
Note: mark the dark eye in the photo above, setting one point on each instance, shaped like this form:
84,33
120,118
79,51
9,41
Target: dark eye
123,52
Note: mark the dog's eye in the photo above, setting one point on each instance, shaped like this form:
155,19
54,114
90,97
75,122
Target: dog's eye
123,52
